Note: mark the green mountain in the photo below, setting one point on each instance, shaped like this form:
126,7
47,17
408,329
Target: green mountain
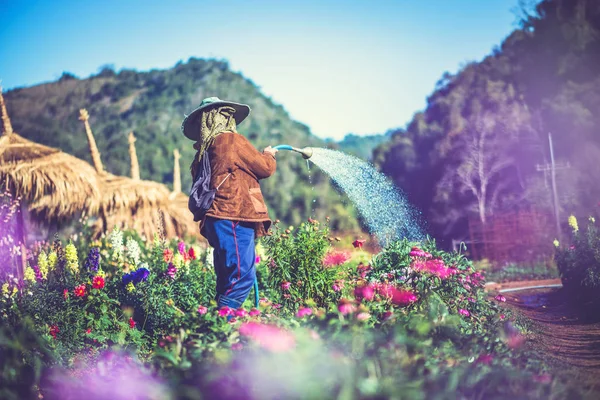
359,146
152,105
481,146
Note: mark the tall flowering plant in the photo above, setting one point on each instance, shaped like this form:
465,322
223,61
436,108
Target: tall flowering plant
296,271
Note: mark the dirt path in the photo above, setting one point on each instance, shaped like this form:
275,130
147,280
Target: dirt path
567,336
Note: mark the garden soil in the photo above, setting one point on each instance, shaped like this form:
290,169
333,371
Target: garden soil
567,336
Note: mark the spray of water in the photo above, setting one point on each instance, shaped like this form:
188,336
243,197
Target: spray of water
383,207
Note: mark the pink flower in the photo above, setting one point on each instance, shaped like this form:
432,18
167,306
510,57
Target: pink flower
366,292
416,252
181,248
257,260
464,312
98,282
225,311
131,323
237,346
346,307
336,258
241,313
399,297
303,312
387,315
363,270
337,285
472,300
500,298
286,285
254,312
502,316
66,294
363,316
544,378
358,243
202,310
79,291
268,336
485,359
515,340
88,331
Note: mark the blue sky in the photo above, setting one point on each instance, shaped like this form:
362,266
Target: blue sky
340,67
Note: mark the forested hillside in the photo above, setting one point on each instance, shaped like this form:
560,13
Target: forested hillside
152,105
474,151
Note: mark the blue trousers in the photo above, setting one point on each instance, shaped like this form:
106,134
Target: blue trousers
233,244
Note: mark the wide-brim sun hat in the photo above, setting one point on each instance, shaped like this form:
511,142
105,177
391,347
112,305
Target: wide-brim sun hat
191,123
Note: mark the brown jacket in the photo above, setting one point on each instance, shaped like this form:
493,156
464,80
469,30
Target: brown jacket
236,169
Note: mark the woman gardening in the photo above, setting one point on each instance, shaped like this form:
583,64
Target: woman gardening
226,196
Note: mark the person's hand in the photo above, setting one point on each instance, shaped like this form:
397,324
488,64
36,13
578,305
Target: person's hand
270,150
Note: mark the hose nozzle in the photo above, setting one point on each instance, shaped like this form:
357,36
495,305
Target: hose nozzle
306,152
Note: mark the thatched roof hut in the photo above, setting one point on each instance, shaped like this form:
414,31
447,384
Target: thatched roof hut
139,204
55,184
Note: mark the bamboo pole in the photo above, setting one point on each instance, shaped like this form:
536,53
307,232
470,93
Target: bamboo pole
135,165
6,125
176,172
84,116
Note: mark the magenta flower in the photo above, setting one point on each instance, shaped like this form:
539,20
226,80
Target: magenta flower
202,310
241,313
337,285
286,285
472,300
257,260
225,311
304,312
366,292
500,298
254,312
172,270
485,359
416,252
399,297
181,248
464,312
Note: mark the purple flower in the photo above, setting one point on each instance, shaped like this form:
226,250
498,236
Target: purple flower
181,248
172,270
137,276
92,261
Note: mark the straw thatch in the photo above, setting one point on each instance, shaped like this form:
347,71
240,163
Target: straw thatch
132,202
55,184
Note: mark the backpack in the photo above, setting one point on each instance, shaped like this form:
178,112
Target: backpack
201,195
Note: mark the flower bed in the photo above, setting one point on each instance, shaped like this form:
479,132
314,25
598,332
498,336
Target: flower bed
126,318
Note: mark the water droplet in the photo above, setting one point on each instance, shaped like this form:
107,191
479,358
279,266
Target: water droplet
383,207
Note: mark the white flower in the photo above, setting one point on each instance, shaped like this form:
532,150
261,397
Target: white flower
133,251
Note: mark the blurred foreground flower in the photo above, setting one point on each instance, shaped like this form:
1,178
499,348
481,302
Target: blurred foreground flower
268,336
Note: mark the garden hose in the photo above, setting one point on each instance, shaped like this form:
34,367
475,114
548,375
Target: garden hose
256,293
306,152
